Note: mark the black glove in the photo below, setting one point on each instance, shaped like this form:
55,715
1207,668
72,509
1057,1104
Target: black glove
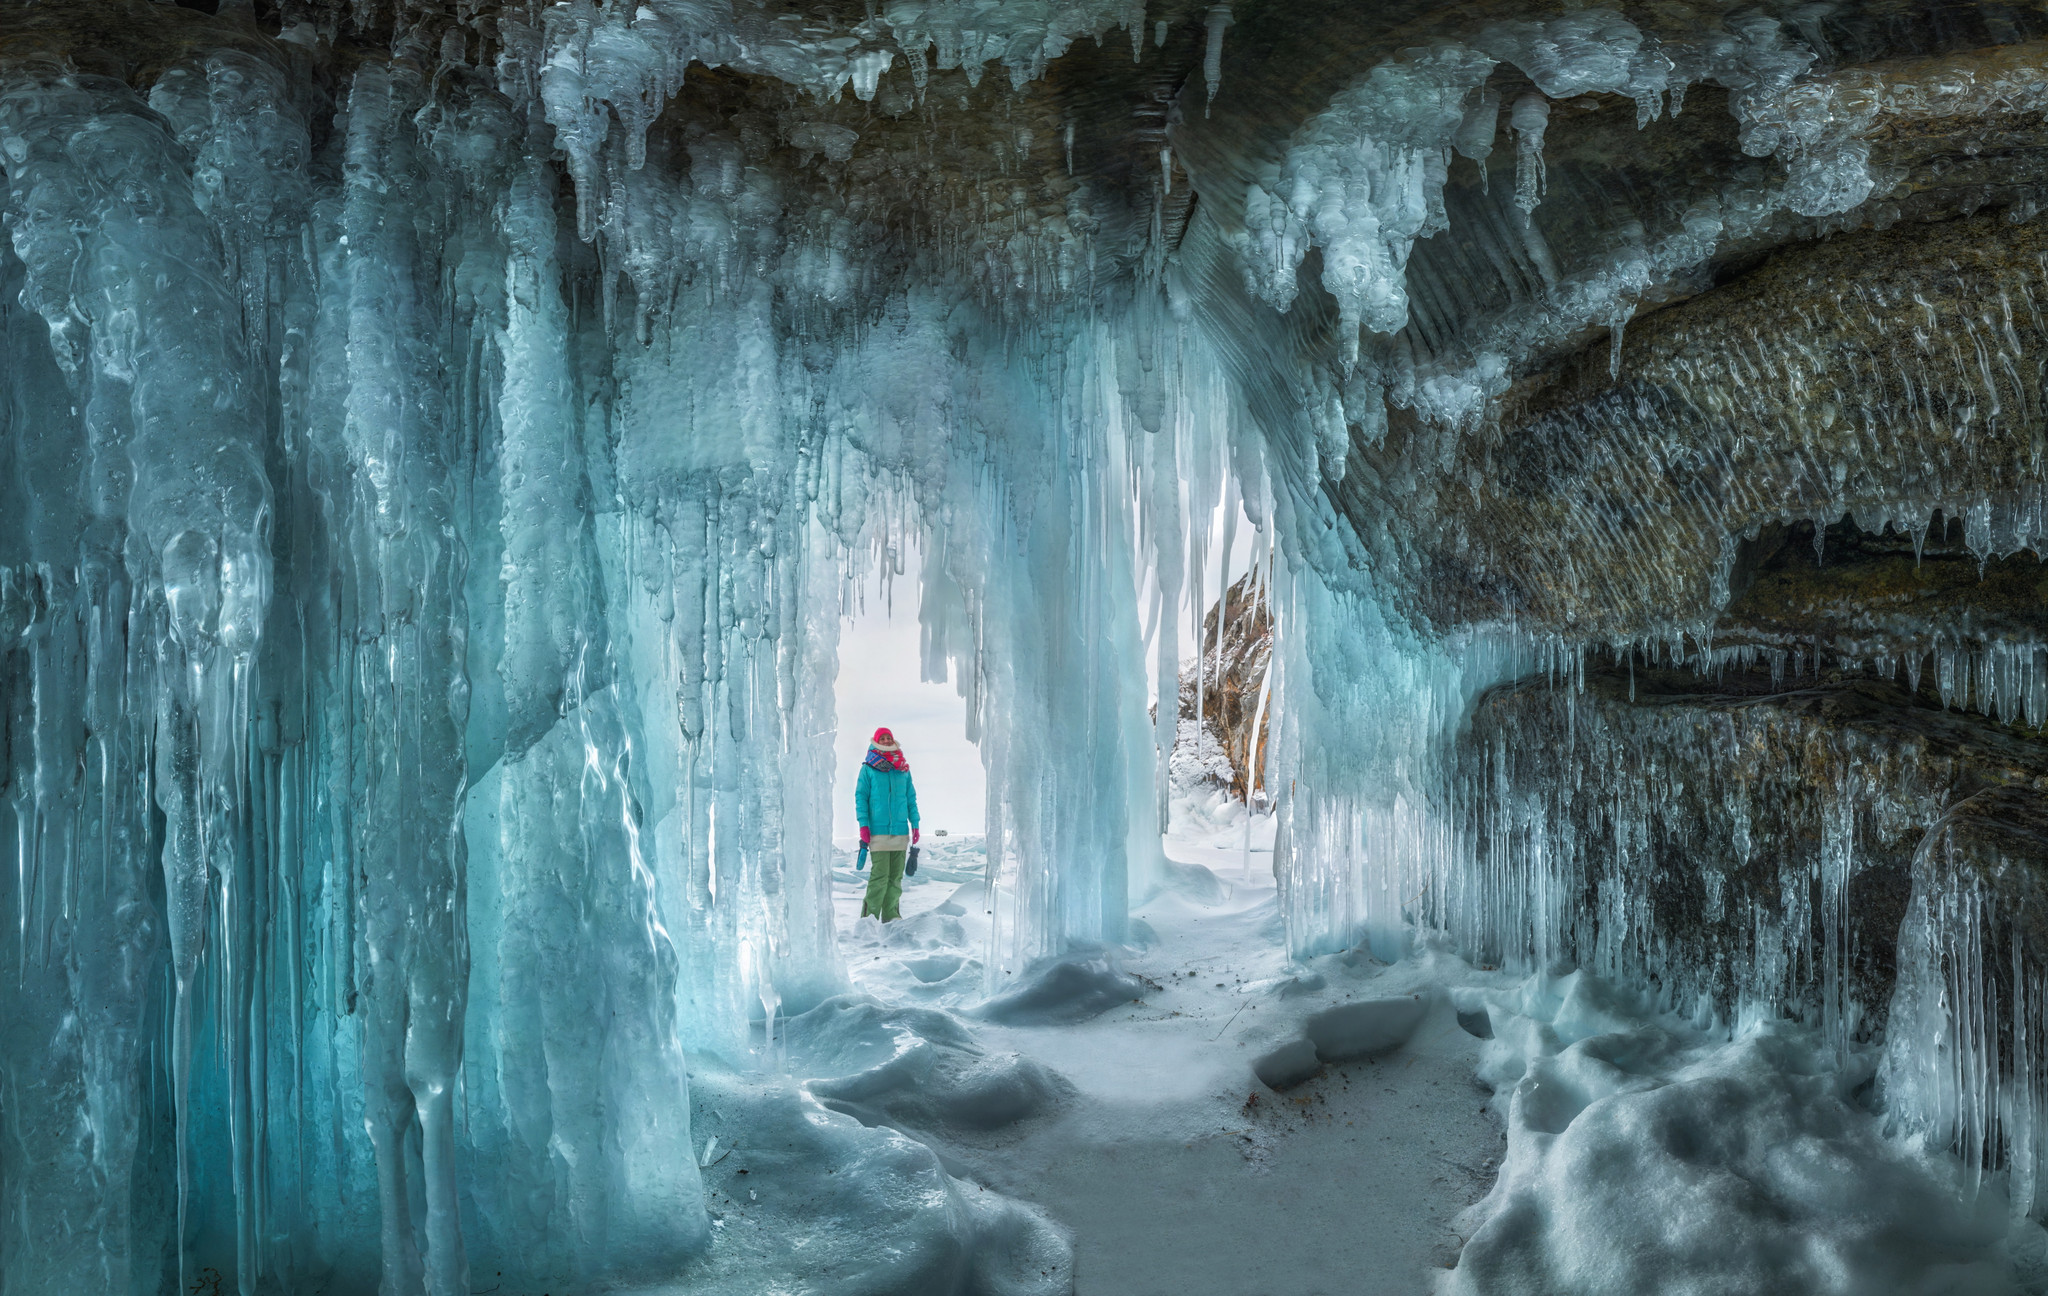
910,864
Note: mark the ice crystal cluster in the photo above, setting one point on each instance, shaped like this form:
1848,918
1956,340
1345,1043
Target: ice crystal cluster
441,445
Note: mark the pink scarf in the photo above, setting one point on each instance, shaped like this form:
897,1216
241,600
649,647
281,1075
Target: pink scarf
885,760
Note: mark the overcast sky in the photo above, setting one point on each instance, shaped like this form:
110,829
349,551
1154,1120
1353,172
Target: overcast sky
878,685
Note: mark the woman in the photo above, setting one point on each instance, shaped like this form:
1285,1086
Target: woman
885,803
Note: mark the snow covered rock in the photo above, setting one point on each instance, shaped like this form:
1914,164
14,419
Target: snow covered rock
1366,1027
802,1196
911,1066
1644,1156
1288,1064
1061,991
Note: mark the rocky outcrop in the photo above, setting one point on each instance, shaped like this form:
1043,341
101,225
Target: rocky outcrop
1882,375
1896,593
1225,685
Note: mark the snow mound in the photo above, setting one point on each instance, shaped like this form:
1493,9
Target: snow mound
968,897
1194,881
1340,1033
1367,1027
1062,991
914,1067
1288,1065
931,931
1646,1156
806,1199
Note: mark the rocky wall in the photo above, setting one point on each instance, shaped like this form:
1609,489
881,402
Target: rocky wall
1747,843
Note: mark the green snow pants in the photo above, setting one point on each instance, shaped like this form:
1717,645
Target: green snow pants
885,885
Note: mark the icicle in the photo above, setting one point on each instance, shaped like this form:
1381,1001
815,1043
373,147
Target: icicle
1212,55
1230,511
1529,119
1615,329
1477,129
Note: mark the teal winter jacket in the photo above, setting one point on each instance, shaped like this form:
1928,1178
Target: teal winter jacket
885,801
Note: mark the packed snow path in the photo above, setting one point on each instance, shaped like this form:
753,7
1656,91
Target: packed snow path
1171,1167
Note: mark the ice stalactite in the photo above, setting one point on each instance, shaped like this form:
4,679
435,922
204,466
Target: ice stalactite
81,927
403,688
1033,602
1217,22
596,63
1362,842
134,309
1964,1065
518,789
1559,882
311,754
435,467
1163,507
714,569
1529,117
1748,854
579,1044
1364,179
1988,674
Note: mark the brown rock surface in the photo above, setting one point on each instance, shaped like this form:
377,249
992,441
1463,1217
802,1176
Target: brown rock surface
1231,675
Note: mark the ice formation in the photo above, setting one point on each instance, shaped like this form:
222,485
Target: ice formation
469,629
1761,1171
441,447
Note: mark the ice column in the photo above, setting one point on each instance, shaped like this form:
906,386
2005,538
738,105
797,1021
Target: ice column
143,326
1964,1064
407,691
1031,578
716,594
583,1030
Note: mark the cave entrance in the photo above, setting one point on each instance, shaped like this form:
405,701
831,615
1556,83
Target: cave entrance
880,683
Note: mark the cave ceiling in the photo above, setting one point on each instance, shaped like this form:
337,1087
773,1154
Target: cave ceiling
1641,281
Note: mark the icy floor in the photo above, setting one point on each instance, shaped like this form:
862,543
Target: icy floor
1104,1129
1167,1172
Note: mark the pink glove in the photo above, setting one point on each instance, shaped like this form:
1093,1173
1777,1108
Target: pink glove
913,836
863,836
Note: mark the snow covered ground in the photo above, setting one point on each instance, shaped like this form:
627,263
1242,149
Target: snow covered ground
1648,1155
1171,1168
1195,1114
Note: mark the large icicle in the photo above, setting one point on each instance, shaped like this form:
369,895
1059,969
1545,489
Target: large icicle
407,687
135,310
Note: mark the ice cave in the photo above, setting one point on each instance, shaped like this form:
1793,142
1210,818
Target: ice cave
1461,585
